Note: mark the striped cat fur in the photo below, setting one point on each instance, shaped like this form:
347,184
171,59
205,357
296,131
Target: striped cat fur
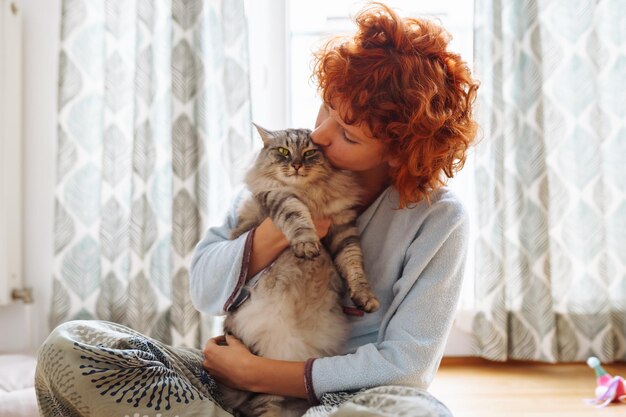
294,311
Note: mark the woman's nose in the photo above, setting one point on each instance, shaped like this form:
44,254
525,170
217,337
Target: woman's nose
320,135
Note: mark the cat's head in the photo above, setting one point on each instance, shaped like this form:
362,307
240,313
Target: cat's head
290,156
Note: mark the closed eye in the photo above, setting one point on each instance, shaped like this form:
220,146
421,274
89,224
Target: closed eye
347,139
310,153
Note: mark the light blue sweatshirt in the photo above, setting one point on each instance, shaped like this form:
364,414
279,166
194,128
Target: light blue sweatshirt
414,260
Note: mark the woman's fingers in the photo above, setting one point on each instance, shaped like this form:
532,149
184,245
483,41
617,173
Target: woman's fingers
212,344
232,340
226,359
220,340
215,341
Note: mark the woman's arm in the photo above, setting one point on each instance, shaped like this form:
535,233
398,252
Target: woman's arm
268,242
218,264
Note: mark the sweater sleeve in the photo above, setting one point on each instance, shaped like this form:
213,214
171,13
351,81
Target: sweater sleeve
411,342
219,265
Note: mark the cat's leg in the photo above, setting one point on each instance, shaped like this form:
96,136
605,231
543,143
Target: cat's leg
344,246
293,218
233,399
263,406
294,407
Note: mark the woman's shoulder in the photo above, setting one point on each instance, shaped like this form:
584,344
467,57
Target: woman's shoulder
443,216
444,204
444,199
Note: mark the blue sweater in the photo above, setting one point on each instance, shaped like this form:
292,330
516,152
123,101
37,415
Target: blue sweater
414,260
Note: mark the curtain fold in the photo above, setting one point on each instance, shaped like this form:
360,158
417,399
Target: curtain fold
154,121
550,179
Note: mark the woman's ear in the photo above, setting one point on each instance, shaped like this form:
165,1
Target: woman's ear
392,162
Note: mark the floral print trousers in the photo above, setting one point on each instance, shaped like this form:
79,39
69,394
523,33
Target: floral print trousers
103,369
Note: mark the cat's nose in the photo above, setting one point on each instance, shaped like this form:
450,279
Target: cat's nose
296,166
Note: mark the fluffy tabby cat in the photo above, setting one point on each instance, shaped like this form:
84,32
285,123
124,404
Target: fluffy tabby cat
294,312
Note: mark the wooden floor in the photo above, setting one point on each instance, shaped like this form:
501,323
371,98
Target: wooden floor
472,387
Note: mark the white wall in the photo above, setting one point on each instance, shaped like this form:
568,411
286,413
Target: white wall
40,64
41,22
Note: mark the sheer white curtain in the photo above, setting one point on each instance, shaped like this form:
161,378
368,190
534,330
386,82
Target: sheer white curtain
550,180
154,120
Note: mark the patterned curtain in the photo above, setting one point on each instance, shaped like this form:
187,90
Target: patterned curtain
551,182
154,117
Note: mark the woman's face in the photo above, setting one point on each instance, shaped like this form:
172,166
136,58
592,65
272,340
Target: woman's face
349,147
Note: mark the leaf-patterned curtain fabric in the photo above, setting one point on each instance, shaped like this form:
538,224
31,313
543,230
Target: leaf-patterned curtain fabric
154,115
551,183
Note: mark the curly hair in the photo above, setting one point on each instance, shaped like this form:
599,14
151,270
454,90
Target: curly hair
396,76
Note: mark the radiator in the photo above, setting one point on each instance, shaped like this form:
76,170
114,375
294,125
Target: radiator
10,151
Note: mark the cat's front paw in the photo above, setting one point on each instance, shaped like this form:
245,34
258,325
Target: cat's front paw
366,301
306,250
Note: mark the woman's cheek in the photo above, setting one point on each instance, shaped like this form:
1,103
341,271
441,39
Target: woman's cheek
338,161
330,155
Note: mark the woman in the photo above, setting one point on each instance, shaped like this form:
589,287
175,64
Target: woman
397,112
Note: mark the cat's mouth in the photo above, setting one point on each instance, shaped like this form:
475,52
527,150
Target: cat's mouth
294,173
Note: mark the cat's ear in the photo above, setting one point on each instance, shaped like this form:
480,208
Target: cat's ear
266,135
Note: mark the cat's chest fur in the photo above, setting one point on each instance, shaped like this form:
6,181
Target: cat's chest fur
339,193
294,311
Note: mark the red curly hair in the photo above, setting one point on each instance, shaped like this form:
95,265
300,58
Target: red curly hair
396,76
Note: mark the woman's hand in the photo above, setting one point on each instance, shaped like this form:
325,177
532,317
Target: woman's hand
321,227
229,361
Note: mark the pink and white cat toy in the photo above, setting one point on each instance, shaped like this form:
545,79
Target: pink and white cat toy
609,389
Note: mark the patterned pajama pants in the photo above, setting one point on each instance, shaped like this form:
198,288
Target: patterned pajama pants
102,369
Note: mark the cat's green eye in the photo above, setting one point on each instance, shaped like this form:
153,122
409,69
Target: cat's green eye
310,153
283,151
